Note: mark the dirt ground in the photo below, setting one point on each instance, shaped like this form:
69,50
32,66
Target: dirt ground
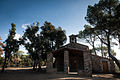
28,74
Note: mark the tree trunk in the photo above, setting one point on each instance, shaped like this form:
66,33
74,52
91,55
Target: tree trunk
116,61
94,49
3,68
110,55
52,46
39,66
102,49
34,65
101,45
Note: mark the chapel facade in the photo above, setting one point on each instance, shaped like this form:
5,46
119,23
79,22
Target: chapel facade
75,57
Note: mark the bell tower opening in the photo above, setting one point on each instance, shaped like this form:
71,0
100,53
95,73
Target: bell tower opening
73,38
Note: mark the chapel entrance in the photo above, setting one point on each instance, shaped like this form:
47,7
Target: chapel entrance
76,61
105,66
58,61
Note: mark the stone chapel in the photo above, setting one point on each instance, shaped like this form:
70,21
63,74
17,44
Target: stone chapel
76,57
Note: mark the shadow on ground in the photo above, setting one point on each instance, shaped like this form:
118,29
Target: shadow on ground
29,74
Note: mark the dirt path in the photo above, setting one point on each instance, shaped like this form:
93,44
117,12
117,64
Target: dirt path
28,74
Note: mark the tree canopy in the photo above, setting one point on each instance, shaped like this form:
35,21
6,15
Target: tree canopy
40,42
89,36
55,37
103,16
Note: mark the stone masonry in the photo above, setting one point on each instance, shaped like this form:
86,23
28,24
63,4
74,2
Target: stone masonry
97,66
91,63
66,62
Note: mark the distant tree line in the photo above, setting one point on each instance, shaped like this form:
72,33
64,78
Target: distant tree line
17,60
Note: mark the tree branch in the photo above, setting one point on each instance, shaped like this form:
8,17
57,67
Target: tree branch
102,40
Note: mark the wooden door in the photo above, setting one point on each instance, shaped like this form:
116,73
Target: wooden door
105,66
73,64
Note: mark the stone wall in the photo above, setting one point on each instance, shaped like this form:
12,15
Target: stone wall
112,66
87,63
97,66
49,64
76,46
66,62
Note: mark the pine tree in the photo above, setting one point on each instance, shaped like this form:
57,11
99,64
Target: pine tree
11,45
